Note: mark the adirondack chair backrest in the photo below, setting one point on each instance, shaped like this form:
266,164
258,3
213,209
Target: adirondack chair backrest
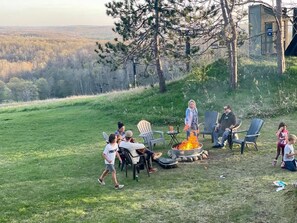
211,118
145,128
235,128
238,124
254,129
128,156
150,137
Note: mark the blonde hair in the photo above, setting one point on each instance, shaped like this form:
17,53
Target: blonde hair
190,101
292,137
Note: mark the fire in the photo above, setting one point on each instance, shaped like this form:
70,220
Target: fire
189,144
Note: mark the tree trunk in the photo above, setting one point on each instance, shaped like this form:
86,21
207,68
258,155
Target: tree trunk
230,34
188,52
281,66
233,58
162,85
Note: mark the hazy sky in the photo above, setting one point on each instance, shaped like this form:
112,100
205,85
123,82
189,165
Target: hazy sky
53,12
57,12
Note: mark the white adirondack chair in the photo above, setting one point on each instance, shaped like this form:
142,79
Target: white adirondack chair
149,136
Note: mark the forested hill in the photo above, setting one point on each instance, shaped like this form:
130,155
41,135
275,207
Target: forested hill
56,62
50,62
89,32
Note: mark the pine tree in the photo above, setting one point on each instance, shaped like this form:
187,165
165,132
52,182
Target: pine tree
151,30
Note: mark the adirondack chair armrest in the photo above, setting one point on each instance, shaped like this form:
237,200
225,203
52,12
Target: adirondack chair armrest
143,135
252,135
240,131
135,155
201,123
159,132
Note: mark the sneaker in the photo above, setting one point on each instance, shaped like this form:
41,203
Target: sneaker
217,146
157,155
101,182
274,162
283,164
119,186
153,170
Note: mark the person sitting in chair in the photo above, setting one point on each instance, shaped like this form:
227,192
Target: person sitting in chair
139,148
223,128
120,132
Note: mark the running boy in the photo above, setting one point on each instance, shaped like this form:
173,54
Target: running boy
109,154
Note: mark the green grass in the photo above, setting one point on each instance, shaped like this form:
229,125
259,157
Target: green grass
50,155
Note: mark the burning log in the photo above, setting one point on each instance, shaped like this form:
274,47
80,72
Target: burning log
189,144
188,151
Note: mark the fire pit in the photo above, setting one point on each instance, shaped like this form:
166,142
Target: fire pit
188,150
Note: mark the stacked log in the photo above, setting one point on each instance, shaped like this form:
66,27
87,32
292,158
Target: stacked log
190,158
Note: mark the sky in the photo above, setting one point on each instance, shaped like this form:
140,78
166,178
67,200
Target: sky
53,12
57,12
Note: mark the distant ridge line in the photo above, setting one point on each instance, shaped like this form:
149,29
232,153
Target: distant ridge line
77,31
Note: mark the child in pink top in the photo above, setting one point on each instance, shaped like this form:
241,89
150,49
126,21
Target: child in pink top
282,136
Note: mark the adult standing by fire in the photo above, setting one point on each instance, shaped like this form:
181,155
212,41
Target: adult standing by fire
191,120
223,128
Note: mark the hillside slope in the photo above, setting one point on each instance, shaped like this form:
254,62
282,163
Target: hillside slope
50,155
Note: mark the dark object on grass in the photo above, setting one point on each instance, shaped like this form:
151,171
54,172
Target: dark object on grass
167,163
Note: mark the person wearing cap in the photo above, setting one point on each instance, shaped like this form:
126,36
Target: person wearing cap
223,128
120,132
139,148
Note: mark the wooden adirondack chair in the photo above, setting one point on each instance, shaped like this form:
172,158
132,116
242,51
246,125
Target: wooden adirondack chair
149,136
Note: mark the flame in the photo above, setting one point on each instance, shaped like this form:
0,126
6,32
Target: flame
191,143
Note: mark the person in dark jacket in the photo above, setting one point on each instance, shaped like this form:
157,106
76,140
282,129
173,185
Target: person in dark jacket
223,128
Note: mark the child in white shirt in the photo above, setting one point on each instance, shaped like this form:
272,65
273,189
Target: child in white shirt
109,154
289,154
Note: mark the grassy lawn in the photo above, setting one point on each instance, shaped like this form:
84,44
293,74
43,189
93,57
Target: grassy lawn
50,157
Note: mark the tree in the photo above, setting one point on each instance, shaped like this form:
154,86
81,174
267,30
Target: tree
278,12
16,86
22,90
43,88
221,27
3,91
230,37
145,27
281,63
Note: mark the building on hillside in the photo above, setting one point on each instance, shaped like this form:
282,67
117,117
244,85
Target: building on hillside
262,30
292,48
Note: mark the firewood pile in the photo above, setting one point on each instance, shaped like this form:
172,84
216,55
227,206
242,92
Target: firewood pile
189,158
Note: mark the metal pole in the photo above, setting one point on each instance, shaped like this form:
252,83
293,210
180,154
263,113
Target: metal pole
134,71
